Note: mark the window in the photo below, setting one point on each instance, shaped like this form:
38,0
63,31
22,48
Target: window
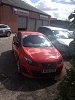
3,26
45,31
36,41
62,34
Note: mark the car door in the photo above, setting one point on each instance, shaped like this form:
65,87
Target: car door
3,27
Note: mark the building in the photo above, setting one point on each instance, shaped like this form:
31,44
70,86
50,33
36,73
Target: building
22,16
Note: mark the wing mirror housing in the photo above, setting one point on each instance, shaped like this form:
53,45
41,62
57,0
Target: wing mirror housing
17,44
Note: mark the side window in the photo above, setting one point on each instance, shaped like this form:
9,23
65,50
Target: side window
47,32
42,30
3,26
50,34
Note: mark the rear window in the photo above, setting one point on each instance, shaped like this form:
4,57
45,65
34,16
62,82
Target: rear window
3,26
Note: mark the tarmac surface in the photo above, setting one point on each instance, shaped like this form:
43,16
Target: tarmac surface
16,87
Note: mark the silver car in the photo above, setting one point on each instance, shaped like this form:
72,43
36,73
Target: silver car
60,38
5,30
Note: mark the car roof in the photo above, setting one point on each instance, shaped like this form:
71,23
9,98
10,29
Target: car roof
31,33
4,24
53,28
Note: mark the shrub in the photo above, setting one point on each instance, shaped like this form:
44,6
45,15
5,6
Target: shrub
66,87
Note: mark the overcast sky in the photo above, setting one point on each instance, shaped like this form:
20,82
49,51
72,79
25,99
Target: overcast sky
56,8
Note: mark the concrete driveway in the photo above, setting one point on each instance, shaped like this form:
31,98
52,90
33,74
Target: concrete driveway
16,87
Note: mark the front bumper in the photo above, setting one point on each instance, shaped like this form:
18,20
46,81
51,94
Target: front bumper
38,73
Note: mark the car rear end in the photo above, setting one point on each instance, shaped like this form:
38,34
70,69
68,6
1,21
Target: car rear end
5,30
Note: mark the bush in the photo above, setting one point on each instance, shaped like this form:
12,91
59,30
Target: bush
66,87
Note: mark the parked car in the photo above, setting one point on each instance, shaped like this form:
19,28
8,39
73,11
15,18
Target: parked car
59,37
5,30
35,55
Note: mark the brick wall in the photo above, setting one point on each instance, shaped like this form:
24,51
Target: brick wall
7,17
34,15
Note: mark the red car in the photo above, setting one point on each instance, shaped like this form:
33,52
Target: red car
36,56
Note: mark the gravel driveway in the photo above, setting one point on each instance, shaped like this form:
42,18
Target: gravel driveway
15,87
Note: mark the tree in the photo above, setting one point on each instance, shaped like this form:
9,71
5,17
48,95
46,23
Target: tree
66,87
72,23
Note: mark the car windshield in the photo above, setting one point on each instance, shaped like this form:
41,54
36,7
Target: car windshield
35,41
61,34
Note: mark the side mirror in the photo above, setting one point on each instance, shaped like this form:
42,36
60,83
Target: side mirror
16,43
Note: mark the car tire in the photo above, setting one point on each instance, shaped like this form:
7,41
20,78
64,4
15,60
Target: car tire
8,34
18,67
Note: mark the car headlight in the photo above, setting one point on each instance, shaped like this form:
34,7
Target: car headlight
30,62
59,62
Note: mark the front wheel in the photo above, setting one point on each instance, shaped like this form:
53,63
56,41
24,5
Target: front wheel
18,66
8,34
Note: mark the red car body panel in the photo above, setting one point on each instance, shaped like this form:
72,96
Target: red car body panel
42,56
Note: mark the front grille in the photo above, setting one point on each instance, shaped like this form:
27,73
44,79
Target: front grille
50,64
52,74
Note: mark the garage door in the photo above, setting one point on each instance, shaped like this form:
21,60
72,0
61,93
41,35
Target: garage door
39,23
31,25
21,23
45,23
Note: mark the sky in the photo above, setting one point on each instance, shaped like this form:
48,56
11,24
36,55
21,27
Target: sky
59,9
34,1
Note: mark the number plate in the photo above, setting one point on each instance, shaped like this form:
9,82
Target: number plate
49,70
